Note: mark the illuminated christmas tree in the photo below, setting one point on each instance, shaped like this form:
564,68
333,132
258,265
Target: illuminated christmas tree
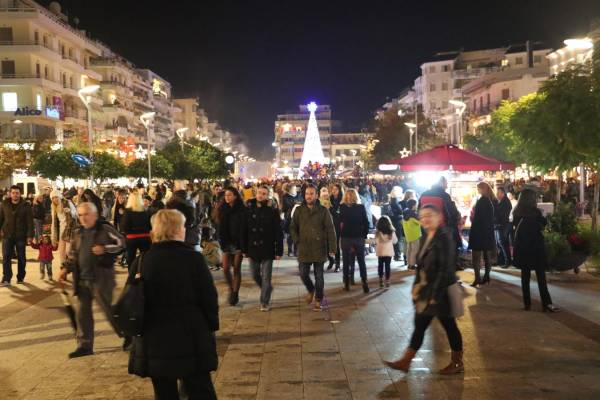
313,151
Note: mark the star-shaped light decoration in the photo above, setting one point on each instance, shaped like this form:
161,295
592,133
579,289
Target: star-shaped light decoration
404,153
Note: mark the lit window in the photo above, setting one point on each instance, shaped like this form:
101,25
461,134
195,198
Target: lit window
9,101
505,63
38,101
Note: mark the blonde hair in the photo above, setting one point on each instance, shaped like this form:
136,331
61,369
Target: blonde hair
166,224
487,190
135,202
351,197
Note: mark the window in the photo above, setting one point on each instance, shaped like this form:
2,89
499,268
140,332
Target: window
488,100
64,80
38,101
62,49
432,69
432,87
36,37
71,82
444,104
504,63
537,59
8,68
46,72
505,94
519,60
433,105
474,104
9,101
446,68
444,85
481,103
45,41
38,70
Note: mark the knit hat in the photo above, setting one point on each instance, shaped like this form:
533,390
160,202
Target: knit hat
56,193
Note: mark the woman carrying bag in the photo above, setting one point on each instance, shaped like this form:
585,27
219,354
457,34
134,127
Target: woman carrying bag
181,314
435,291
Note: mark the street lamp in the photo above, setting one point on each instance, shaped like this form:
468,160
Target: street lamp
460,109
85,96
411,127
180,134
147,119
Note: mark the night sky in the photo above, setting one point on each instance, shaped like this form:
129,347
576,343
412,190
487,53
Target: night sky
249,60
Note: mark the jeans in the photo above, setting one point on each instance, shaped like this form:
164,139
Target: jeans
384,262
8,245
46,266
354,248
38,225
262,272
198,387
318,287
422,322
503,244
540,273
290,244
100,289
133,245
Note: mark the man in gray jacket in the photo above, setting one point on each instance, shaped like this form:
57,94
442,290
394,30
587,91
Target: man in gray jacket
94,248
314,236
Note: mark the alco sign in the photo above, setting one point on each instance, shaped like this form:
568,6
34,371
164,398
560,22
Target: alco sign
26,111
50,112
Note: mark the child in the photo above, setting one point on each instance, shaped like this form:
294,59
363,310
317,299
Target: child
210,249
385,239
412,232
45,256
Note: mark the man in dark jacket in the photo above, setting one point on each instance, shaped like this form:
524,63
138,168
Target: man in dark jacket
16,229
262,242
182,202
313,233
503,227
91,259
289,200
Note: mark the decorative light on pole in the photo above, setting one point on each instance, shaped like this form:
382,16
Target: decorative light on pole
411,128
147,120
85,94
181,134
460,109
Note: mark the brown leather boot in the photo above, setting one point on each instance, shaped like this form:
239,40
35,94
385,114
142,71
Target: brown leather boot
456,366
403,364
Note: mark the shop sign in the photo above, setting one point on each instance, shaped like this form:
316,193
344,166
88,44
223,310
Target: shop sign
52,112
26,111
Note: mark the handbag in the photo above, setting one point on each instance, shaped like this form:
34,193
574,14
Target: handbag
455,299
128,311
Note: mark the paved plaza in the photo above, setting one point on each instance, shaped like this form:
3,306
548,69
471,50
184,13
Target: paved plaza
295,353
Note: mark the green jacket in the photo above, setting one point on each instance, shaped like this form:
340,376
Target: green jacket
412,229
313,233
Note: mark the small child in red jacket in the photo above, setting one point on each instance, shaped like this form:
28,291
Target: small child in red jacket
45,256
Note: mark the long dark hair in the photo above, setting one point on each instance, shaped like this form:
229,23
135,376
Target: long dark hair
384,225
237,203
527,204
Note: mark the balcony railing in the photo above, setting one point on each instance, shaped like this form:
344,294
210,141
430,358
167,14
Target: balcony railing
473,72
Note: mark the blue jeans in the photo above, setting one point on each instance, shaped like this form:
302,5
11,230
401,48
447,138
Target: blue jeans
262,272
8,245
318,287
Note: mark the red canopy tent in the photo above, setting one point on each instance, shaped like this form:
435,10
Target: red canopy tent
449,158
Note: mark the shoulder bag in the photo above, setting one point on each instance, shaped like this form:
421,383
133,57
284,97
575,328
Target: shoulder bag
128,311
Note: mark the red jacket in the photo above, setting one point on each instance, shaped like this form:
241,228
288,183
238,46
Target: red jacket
45,251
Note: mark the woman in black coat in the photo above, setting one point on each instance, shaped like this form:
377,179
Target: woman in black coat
354,228
135,225
337,194
181,313
231,219
482,240
529,248
434,291
396,215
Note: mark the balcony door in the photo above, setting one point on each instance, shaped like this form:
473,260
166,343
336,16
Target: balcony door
8,69
6,35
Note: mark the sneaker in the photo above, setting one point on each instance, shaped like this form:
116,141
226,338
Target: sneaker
21,282
5,283
42,276
317,307
309,298
51,279
264,307
387,283
81,352
380,282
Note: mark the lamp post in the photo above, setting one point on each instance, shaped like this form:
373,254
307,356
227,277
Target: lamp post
353,156
180,134
85,96
460,109
147,119
412,129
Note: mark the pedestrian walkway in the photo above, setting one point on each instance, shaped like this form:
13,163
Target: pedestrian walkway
295,353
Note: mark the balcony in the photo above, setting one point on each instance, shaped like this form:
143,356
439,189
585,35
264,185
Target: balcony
473,72
30,79
29,46
119,87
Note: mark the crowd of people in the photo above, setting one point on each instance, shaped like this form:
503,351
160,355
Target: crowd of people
179,232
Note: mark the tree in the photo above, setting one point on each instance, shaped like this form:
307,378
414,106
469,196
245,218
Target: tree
394,135
161,168
106,166
498,139
197,160
55,164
